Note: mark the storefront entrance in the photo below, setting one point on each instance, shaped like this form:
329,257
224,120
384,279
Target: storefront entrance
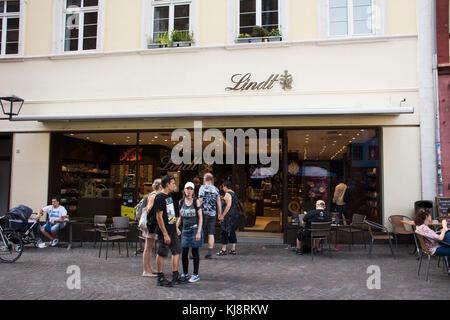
5,171
109,172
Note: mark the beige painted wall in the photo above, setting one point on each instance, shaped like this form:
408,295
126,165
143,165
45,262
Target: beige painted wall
38,27
30,169
123,25
401,171
304,20
401,17
213,22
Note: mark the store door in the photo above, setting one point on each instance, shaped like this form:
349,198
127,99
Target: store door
5,171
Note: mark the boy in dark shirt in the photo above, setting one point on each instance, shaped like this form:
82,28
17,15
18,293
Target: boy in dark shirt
318,215
168,238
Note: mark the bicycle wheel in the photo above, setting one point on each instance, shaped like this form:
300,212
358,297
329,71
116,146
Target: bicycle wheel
12,249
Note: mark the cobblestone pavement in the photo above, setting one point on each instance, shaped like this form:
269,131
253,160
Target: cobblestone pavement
257,272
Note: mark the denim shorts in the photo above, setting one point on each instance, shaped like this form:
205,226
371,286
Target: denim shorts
188,238
54,227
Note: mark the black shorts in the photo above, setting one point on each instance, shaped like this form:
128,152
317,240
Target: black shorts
209,224
302,234
174,246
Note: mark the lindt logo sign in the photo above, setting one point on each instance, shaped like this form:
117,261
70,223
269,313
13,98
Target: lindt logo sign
243,82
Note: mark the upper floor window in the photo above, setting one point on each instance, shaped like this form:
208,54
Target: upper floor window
252,13
351,17
10,13
81,22
169,16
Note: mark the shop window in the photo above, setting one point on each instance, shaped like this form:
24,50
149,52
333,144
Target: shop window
10,26
318,159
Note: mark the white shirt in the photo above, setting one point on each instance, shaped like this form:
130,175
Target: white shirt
55,213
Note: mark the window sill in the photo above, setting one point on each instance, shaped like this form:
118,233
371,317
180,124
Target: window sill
258,39
174,45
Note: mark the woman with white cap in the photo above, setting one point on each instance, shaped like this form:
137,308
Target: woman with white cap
192,236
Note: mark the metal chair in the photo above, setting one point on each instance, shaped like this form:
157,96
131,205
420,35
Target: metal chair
424,249
356,226
98,219
384,235
320,231
118,232
398,227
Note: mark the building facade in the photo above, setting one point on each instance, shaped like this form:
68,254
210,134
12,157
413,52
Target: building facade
341,84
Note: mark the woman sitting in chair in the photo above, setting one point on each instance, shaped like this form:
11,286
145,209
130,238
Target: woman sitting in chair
423,220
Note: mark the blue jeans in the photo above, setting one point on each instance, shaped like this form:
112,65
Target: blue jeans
54,227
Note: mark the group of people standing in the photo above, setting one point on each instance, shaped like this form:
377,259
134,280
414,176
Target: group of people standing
194,216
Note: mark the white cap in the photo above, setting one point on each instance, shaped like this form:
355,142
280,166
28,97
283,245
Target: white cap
189,184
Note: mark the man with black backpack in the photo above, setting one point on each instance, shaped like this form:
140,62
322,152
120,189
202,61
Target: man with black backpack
342,195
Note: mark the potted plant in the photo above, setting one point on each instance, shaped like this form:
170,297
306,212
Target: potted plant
182,38
275,35
243,38
259,33
162,41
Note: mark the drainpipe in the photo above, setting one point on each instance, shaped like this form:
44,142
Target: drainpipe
436,104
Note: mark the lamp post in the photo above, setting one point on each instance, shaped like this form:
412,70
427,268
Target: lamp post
11,106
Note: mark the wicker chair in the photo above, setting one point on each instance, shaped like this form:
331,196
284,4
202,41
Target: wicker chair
399,228
356,226
424,249
320,231
380,233
98,219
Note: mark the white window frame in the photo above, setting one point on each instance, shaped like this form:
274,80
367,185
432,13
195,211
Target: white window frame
378,20
21,16
59,28
234,18
148,15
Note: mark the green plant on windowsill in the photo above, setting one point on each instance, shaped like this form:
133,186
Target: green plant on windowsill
243,35
259,32
275,33
182,36
165,39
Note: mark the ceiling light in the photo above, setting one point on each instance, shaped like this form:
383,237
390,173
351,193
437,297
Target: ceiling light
72,134
87,138
156,137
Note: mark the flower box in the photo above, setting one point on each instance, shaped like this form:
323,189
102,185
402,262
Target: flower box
156,45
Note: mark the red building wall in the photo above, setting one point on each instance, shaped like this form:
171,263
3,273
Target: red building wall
442,29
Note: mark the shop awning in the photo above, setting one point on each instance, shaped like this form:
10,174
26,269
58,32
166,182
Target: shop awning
220,113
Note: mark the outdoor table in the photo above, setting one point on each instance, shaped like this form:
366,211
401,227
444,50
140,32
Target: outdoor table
70,223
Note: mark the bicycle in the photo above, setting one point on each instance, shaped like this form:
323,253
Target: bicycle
11,244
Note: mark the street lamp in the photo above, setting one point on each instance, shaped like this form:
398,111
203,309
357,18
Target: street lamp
15,104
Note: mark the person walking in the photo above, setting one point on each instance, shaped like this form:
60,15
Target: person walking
191,218
211,205
150,235
338,199
168,238
229,220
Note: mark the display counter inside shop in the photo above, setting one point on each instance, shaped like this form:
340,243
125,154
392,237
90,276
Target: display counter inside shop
88,207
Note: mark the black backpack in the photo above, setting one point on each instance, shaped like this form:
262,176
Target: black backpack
348,196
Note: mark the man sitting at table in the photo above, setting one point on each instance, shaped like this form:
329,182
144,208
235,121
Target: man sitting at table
304,235
56,216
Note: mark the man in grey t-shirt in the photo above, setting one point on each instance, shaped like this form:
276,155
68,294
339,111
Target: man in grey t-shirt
211,205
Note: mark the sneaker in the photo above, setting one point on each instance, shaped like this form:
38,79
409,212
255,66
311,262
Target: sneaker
163,282
185,277
151,275
194,278
208,256
232,252
54,242
42,245
179,280
299,251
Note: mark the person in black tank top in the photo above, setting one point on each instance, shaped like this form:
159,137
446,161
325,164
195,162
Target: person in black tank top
229,220
191,218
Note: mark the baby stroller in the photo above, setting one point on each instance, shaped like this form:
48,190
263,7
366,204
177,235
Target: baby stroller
19,220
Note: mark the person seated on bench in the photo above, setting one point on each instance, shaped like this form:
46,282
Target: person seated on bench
56,216
318,215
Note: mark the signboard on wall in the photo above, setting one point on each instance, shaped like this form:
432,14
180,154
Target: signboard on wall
442,205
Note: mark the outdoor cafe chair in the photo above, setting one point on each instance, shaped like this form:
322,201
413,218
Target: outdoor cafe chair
320,231
112,234
398,227
423,249
98,219
380,233
356,226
